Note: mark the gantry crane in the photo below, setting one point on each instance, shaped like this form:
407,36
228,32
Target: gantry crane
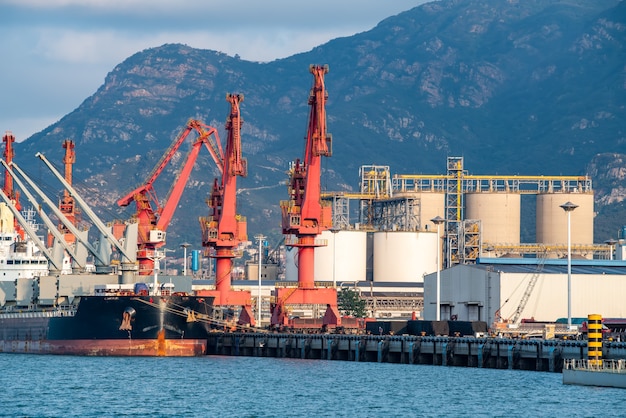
304,216
153,221
13,195
223,230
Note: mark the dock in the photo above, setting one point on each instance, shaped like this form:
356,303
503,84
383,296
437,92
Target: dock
496,353
607,373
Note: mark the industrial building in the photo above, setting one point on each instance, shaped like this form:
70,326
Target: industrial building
512,290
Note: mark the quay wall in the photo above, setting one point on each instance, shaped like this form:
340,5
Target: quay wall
496,353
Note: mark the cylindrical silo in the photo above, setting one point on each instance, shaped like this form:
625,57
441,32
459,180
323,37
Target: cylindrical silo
344,259
499,215
431,204
404,256
346,249
552,219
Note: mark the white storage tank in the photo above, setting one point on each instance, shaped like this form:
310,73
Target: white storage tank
404,256
552,219
499,214
347,251
347,248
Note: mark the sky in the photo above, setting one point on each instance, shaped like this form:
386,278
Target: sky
56,53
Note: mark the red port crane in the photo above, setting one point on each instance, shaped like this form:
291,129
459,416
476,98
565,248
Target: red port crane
67,205
304,216
223,230
9,153
153,221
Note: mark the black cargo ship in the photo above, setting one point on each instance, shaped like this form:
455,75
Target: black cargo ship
120,325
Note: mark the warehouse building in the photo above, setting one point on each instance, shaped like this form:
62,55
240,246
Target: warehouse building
516,289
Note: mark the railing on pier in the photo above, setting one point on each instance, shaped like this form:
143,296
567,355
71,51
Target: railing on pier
607,366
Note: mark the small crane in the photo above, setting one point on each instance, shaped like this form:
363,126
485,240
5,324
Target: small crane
153,221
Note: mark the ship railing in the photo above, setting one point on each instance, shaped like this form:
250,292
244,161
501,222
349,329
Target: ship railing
44,313
607,366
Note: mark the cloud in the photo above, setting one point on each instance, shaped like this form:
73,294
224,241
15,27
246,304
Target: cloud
219,13
24,127
73,46
109,46
56,53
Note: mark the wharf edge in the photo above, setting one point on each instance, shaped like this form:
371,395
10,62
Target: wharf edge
494,353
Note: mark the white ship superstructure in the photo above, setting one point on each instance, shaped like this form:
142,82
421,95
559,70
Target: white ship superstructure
19,258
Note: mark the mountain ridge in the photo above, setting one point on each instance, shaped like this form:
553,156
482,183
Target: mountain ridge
533,87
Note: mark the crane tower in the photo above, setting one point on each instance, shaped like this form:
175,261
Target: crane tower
223,230
8,190
304,216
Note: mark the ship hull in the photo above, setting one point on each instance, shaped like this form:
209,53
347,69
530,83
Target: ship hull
594,378
112,326
110,347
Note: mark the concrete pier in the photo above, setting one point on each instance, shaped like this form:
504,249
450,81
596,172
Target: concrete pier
496,353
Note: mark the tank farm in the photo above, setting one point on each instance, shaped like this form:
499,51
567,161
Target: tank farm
436,222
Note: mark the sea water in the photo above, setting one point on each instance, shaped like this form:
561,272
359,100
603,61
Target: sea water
218,386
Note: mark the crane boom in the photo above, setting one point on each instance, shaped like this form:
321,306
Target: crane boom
97,222
205,137
234,166
317,146
147,187
44,217
60,215
529,289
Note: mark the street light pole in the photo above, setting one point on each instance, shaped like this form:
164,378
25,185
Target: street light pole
569,208
185,245
438,220
260,238
334,232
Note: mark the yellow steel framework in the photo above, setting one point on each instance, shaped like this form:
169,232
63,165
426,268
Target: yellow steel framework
407,183
395,200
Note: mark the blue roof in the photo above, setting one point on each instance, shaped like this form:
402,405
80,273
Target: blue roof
552,266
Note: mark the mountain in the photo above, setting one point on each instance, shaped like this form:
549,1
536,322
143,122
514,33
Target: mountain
535,87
